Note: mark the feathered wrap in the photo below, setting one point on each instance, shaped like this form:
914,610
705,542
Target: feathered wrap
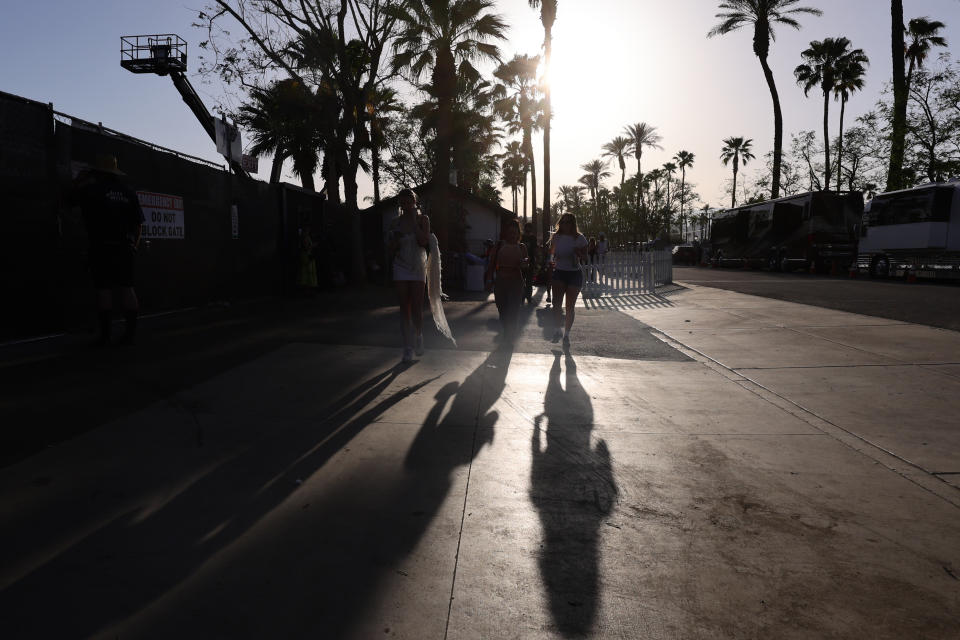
435,291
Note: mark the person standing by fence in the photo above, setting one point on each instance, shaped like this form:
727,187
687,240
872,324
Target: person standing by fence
602,248
567,247
114,220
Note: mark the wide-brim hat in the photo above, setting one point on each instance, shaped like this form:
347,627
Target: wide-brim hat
106,163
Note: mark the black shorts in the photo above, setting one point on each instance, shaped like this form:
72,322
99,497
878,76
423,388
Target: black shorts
570,278
113,266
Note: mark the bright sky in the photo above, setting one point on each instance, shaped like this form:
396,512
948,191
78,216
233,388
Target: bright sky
615,62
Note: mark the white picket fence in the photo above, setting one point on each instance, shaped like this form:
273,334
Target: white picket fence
623,272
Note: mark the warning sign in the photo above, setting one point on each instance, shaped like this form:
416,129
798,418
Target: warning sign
163,215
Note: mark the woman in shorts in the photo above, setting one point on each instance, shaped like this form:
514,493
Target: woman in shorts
567,247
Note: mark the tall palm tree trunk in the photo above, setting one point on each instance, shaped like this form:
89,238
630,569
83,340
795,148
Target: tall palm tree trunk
277,167
331,181
826,141
899,133
909,79
683,183
375,170
640,202
843,108
733,201
777,128
306,176
533,189
445,82
524,198
668,216
545,217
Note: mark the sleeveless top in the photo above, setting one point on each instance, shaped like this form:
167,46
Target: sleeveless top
509,260
410,255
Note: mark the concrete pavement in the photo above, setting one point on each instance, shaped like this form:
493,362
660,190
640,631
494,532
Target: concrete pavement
700,464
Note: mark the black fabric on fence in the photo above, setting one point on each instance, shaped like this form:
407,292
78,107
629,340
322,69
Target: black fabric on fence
43,244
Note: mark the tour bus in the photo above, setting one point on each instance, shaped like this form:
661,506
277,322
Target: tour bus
816,229
913,231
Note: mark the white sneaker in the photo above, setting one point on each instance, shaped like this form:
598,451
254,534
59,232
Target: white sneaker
419,348
407,354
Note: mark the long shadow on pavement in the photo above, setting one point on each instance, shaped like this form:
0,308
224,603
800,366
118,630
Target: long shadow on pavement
114,572
573,489
211,562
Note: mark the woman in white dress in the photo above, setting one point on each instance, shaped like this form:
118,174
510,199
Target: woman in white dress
408,240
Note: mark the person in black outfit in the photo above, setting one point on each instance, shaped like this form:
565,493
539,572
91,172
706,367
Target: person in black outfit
529,240
113,219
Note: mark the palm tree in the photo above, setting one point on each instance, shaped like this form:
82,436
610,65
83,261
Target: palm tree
596,171
898,127
823,61
514,172
281,119
763,15
518,106
437,37
571,197
474,133
849,79
383,104
922,33
618,148
641,135
739,150
514,159
548,14
669,169
684,159
704,217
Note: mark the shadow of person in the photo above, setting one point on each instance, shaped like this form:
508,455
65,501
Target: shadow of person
472,401
573,490
210,515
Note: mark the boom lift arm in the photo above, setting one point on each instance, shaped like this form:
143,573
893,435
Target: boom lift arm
166,54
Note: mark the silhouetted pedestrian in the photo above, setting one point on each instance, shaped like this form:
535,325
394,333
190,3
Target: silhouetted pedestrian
508,260
567,248
307,272
408,241
113,220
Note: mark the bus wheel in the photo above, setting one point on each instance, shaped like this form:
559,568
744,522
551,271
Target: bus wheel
880,267
772,262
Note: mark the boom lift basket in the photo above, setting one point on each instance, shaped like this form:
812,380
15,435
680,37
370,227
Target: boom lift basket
158,54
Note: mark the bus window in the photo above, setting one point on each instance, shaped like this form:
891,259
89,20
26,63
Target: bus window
927,205
943,204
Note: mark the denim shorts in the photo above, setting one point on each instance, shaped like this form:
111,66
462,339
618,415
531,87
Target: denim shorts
569,278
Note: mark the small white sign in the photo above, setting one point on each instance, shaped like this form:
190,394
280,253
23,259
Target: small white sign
163,216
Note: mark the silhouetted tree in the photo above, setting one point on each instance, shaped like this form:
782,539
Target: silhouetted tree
763,15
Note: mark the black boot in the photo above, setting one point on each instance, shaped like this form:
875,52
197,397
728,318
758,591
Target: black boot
130,334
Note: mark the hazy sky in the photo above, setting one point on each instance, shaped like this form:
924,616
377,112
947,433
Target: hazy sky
615,62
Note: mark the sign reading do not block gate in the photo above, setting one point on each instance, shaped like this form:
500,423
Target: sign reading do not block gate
162,214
